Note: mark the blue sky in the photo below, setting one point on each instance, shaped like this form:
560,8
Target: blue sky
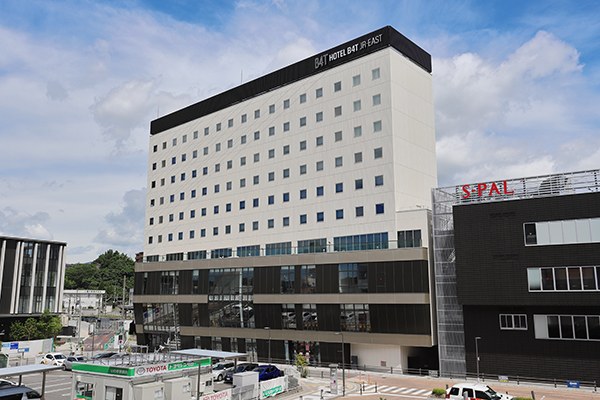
516,88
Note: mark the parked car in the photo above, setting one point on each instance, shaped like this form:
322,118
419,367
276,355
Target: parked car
474,391
4,383
103,355
267,372
68,364
220,370
53,359
18,393
243,367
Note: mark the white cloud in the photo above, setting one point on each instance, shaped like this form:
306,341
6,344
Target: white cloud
22,224
126,227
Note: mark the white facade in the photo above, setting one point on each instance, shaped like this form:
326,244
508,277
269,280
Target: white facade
384,136
73,300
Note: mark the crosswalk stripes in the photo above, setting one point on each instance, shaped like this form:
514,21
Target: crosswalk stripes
397,390
370,389
408,391
422,391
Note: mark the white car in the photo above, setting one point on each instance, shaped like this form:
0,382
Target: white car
220,370
474,391
53,359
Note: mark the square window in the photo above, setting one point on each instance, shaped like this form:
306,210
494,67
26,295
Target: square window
162,180
286,103
215,209
286,173
271,223
320,216
256,114
377,126
195,154
378,152
217,146
302,194
192,213
230,123
242,204
205,131
319,116
255,225
217,167
339,214
271,199
242,161
337,111
244,118
242,227
227,229
319,92
379,180
271,130
215,231
359,211
303,145
377,100
218,126
271,108
254,202
202,232
358,184
357,131
271,153
337,86
338,136
320,191
243,182
303,169
205,151
230,143
358,157
286,221
286,149
255,180
302,219
379,208
256,135
203,212
356,105
228,207
256,157
243,139
303,98
192,234
338,161
228,184
356,80
286,197
271,176
375,73
339,187
229,164
319,140
319,165
302,121
164,145
217,188
161,201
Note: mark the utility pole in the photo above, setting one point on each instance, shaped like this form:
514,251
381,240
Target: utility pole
123,308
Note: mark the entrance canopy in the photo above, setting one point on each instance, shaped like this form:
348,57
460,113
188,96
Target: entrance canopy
227,355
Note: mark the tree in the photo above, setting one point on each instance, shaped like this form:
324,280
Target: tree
24,331
112,267
49,325
82,276
46,326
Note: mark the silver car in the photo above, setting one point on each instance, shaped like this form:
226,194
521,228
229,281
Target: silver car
68,364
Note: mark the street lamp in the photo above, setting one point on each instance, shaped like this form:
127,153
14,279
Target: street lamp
269,329
343,365
477,355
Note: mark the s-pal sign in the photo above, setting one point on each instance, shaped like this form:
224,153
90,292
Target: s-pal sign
482,190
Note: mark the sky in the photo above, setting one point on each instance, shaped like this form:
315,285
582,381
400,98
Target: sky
516,92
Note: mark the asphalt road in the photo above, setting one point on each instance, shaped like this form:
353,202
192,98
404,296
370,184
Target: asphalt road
58,384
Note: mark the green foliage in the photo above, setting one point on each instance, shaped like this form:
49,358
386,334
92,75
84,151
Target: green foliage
46,326
302,365
82,276
522,398
438,393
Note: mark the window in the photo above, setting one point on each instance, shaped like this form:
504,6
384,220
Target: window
337,86
271,130
161,201
227,229
175,142
358,184
153,166
170,237
164,145
564,278
194,173
217,167
228,207
271,176
244,118
377,126
303,169
302,219
192,234
170,217
339,187
230,123
379,180
172,198
216,210
357,157
319,141
375,73
229,143
155,148
302,194
229,164
356,80
256,114
302,121
270,223
320,217
256,135
204,170
286,221
271,153
303,145
215,231
378,152
286,126
303,98
319,93
205,151
228,185
338,161
243,139
193,193
255,179
217,188
242,204
218,126
319,165
286,197
203,212
339,214
217,146
242,161
379,208
562,232
243,182
271,108
286,103
337,111
376,99
160,219
180,236
319,116
320,191
173,160
205,131
202,232
256,157
255,225
338,136
192,213
195,154
242,227
173,179
151,221
254,202
162,180
356,105
286,149
359,211
271,199
513,321
181,216
163,163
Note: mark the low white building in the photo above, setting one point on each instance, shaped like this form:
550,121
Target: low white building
74,299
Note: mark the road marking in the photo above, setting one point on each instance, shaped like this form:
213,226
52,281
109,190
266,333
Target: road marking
408,391
369,387
422,391
398,390
382,388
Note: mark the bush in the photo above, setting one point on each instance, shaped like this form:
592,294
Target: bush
438,393
522,398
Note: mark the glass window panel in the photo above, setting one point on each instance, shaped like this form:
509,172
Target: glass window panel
595,229
574,278
583,230
553,327
580,327
566,326
593,324
530,234
547,278
589,278
556,232
543,233
560,278
569,231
